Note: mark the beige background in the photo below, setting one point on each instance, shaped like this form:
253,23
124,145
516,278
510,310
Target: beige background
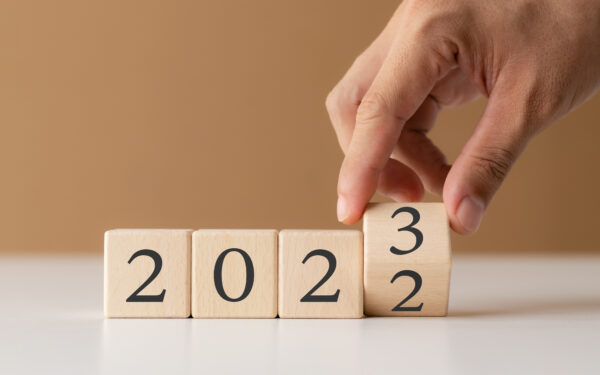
201,114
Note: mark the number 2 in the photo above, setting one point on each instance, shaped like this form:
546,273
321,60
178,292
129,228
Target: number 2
310,297
135,297
418,282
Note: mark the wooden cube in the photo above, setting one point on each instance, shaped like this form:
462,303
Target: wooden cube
407,259
320,274
234,274
147,273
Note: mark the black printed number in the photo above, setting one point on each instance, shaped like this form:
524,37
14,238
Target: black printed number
412,274
218,275
136,297
418,282
409,228
310,297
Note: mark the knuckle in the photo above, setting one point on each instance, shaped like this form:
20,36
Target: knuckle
343,97
438,17
438,33
537,99
494,163
331,101
422,6
372,108
363,59
543,101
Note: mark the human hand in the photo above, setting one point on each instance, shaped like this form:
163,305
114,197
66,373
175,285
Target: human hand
535,60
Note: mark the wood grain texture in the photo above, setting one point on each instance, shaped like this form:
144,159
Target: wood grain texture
296,278
431,260
261,247
121,278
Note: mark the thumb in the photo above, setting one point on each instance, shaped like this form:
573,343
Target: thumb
486,159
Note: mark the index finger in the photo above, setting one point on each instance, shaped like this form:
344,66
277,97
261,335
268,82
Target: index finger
404,81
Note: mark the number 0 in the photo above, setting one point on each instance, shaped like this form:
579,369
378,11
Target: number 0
218,275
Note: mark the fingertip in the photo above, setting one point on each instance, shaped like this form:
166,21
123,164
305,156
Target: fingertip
342,209
457,227
465,210
468,215
356,186
348,212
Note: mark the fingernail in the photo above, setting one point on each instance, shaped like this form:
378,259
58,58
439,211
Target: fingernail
470,213
342,209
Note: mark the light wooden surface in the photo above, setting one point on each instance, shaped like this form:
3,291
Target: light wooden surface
252,296
125,272
304,262
396,264
507,315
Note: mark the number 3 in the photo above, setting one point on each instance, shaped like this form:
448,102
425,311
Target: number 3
409,228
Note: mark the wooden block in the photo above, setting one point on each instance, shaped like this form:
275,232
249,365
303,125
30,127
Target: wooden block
147,273
320,274
234,274
407,259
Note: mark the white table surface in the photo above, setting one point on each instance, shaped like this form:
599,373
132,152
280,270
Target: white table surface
507,315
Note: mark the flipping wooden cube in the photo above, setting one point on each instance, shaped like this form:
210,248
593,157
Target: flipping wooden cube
407,259
147,273
320,274
234,274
